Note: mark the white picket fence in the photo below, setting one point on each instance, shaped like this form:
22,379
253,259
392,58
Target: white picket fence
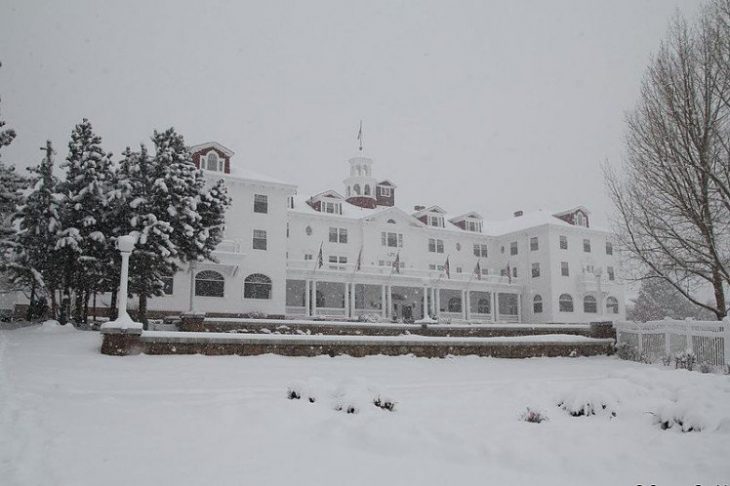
655,340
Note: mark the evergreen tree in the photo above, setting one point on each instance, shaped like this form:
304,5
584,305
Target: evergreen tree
38,222
658,299
82,241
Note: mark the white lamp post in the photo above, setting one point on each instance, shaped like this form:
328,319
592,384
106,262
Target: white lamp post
125,245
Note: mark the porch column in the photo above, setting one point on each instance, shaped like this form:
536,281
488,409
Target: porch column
390,301
383,303
433,303
307,310
425,301
347,299
352,300
438,301
467,307
519,307
494,305
463,304
314,298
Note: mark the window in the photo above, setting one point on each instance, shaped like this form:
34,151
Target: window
513,248
534,244
565,303
260,203
483,306
257,286
259,239
514,272
474,226
563,242
587,245
580,219
535,270
331,207
393,240
338,235
431,266
455,304
537,304
437,221
385,191
480,250
167,284
435,245
612,305
307,256
209,284
212,161
589,304
356,189
609,248
391,221
366,192
564,271
337,263
611,275
459,270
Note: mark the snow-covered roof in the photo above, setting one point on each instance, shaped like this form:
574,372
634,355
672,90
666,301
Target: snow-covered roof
252,175
431,209
349,211
387,182
470,214
572,210
209,145
526,221
330,194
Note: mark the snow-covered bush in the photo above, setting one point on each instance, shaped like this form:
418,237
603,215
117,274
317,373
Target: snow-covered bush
533,416
369,317
680,417
627,351
685,360
384,403
584,402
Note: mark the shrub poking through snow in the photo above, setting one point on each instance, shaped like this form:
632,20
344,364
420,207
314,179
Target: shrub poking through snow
585,402
384,403
346,408
705,367
292,394
678,416
533,416
685,360
667,360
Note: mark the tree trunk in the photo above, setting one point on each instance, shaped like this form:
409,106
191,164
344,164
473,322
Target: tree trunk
94,307
54,304
87,295
31,306
143,310
717,284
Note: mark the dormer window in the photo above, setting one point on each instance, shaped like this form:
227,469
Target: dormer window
213,162
580,219
385,191
437,221
331,207
473,226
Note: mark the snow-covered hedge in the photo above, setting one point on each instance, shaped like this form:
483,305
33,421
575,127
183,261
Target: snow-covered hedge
588,401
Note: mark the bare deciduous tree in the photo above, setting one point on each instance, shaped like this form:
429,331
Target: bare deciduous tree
673,195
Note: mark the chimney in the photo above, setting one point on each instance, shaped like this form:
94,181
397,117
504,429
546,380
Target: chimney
419,208
518,213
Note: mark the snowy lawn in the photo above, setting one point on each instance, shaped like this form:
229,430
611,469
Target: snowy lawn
71,416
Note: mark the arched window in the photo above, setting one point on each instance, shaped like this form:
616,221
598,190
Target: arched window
483,306
212,161
455,304
257,286
612,305
537,304
366,192
308,230
356,189
209,284
391,221
565,303
589,304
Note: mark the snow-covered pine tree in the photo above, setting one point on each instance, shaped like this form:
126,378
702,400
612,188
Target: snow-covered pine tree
212,207
658,299
137,203
82,241
38,222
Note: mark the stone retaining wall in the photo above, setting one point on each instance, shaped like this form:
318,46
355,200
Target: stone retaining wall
151,342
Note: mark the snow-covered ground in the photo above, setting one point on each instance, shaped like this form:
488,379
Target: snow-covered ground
71,416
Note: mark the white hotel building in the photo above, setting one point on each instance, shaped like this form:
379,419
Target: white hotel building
378,259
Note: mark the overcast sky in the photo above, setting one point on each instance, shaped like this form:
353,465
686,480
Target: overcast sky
486,105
